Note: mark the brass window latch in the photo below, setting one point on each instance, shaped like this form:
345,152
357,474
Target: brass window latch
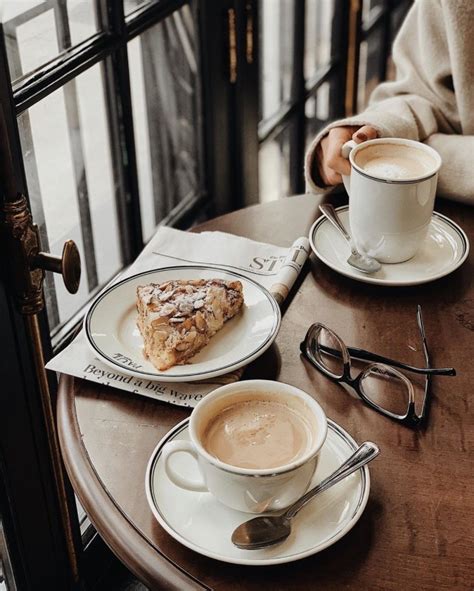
27,264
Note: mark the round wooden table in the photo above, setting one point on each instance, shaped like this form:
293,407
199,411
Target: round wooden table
416,531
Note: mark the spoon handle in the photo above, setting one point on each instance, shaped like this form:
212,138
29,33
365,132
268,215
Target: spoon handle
328,210
363,455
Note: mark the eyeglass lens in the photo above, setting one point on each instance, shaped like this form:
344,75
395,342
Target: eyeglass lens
385,389
379,384
327,349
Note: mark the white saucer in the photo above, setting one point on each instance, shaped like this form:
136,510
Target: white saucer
111,328
200,522
444,249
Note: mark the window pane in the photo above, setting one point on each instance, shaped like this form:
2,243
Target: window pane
318,34
38,31
370,8
369,66
131,5
276,54
66,149
317,112
7,581
397,17
274,166
166,115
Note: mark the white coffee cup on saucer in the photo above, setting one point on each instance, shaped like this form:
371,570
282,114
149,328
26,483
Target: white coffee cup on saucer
392,188
250,489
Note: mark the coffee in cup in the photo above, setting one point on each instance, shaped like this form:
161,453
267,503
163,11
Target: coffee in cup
392,188
256,444
258,433
394,162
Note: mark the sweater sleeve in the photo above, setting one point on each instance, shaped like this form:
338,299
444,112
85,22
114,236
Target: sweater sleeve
420,102
456,177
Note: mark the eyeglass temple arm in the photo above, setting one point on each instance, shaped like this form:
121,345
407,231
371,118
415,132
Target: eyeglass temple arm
368,356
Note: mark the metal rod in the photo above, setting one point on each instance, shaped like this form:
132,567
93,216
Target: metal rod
34,331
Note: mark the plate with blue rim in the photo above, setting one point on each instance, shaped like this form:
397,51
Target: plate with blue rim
112,334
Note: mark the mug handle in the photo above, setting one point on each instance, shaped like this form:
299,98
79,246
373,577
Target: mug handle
180,480
345,151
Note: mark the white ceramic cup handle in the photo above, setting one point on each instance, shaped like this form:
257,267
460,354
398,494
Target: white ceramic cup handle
345,151
181,480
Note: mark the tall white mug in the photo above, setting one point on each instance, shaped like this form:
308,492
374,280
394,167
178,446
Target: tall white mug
389,217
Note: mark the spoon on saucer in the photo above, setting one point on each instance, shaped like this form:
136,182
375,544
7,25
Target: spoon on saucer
362,262
268,530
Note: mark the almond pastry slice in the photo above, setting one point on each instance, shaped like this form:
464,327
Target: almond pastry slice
177,318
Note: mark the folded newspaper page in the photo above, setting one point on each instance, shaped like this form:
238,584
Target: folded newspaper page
274,267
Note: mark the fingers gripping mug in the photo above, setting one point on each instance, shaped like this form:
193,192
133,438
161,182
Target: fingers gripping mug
256,445
392,188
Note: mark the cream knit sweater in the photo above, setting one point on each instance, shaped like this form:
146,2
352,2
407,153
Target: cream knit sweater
432,98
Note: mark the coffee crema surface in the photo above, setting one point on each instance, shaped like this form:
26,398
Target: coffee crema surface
394,162
257,434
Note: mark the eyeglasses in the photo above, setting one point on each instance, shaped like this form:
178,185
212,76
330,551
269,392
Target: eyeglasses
380,385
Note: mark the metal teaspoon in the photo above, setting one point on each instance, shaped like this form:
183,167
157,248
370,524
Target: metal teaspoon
267,530
362,262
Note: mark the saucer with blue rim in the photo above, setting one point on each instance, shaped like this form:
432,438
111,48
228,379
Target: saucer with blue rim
200,522
444,249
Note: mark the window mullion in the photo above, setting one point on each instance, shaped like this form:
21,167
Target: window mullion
119,108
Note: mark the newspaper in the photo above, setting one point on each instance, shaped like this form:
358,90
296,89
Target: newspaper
273,267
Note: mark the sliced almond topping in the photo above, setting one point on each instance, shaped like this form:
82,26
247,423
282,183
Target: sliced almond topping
182,346
200,322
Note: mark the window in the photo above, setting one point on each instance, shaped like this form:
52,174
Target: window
307,77
109,112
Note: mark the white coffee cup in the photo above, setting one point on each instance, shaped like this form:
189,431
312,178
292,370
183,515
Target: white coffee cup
245,489
389,217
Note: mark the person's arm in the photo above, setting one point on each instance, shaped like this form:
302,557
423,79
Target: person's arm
456,177
420,102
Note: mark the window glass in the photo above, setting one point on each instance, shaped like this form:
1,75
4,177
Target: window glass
7,581
370,8
318,35
37,31
317,112
163,65
274,165
369,66
130,6
276,48
70,175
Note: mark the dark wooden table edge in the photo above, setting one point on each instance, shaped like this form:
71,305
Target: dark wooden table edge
125,541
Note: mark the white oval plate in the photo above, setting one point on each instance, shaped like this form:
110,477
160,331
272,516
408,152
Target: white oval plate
112,333
203,524
444,249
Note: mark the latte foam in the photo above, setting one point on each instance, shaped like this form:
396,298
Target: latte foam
394,161
257,434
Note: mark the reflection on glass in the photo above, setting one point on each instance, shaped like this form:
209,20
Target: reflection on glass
130,5
274,166
66,149
398,15
317,112
166,115
276,24
7,580
38,31
370,7
318,34
369,67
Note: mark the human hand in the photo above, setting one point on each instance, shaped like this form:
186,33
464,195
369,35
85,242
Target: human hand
331,165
